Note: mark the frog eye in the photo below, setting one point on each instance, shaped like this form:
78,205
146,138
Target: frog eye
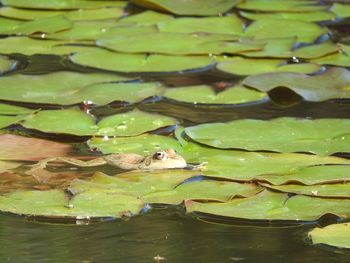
159,155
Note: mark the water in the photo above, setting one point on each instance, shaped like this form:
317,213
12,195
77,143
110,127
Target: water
166,233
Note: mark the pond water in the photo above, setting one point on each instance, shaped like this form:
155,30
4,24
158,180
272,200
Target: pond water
155,228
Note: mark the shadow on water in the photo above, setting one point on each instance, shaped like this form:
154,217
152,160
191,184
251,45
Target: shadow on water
166,233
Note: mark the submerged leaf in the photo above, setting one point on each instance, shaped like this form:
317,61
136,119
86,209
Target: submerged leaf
321,136
191,7
104,59
332,84
205,94
336,235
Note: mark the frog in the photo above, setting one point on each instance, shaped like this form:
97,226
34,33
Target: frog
163,159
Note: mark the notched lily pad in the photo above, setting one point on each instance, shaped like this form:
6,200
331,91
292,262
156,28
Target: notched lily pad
332,84
320,136
336,235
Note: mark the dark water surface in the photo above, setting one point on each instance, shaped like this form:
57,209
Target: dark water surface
169,234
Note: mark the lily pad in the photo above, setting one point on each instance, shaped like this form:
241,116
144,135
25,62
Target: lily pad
301,16
206,95
336,235
54,203
6,109
280,28
142,144
269,205
278,6
341,59
104,59
341,10
62,4
332,84
250,66
42,25
6,121
15,147
321,136
147,18
191,7
6,64
135,183
220,25
132,123
202,190
325,190
178,43
49,88
73,15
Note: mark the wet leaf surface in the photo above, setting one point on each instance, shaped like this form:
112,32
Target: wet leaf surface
332,84
335,235
321,136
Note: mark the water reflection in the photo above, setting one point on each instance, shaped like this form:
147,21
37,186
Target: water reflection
169,234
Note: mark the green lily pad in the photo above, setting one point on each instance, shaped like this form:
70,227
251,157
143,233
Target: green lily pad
280,28
55,121
62,4
325,190
132,123
191,7
135,183
178,43
341,10
274,206
49,88
54,203
336,235
321,136
301,16
6,121
73,15
104,59
205,94
147,18
6,109
6,64
142,144
250,66
126,29
278,6
332,84
319,174
341,59
42,25
219,25
202,190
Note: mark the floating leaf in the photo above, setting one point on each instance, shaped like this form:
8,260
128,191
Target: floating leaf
332,84
312,175
147,17
336,235
279,28
278,6
135,183
6,109
132,123
341,10
15,147
191,7
50,88
55,121
219,25
325,190
178,43
54,203
62,4
340,59
74,15
6,64
305,16
104,59
269,205
202,190
205,94
250,66
6,121
142,144
321,136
